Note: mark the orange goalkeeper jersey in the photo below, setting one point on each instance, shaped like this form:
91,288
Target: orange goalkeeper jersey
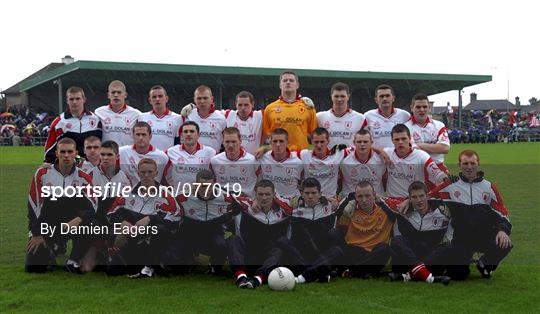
296,118
366,230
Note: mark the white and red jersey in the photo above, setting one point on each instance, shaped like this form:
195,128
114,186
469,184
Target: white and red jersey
431,132
343,128
39,202
129,162
183,166
78,129
165,128
250,129
242,170
417,165
100,178
194,208
353,170
86,166
118,126
139,202
381,126
325,170
480,191
285,174
211,127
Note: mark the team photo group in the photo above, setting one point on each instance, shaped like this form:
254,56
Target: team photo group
311,195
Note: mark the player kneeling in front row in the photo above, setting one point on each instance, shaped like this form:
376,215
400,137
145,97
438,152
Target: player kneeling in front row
205,211
140,225
313,217
362,235
418,251
55,218
251,251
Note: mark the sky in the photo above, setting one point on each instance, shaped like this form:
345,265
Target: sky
497,38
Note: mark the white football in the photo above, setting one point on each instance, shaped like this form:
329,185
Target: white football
281,279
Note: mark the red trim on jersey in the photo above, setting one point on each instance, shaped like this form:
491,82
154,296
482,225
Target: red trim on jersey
344,113
364,125
242,154
197,148
150,149
441,131
391,112
283,205
430,185
170,207
167,112
227,113
498,203
365,161
118,202
53,134
119,111
407,155
287,157
36,185
414,121
327,153
435,191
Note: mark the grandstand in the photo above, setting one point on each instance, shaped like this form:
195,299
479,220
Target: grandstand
44,89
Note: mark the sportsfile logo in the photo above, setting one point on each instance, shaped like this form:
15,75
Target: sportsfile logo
118,190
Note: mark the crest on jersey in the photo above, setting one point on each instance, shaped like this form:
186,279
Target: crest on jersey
243,170
191,211
457,194
268,168
149,122
376,125
213,125
485,197
277,109
107,120
301,109
180,160
92,122
169,124
289,171
128,121
69,125
416,137
354,172
132,202
348,124
221,169
326,124
435,221
201,160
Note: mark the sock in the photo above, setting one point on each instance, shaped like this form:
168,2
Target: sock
72,262
300,279
239,273
259,279
147,271
421,273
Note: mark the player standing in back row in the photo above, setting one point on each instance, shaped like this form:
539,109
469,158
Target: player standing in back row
382,120
289,112
341,121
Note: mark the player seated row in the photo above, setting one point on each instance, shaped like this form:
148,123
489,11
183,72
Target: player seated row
338,167
143,232
290,112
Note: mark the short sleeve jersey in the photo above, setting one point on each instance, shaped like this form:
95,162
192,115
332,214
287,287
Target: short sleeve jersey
381,126
296,118
343,128
118,126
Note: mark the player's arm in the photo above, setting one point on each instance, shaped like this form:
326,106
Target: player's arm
52,139
436,148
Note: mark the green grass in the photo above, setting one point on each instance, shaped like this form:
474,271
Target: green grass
514,288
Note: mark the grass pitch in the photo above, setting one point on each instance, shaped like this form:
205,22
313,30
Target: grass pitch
515,168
